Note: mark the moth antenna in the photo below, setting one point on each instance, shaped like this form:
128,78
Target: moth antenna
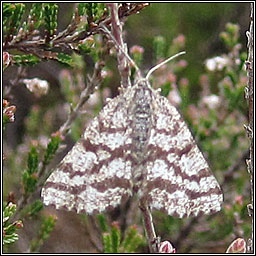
105,29
162,63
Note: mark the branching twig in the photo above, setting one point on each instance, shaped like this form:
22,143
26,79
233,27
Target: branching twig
20,75
93,82
62,41
94,233
185,231
229,173
249,96
123,65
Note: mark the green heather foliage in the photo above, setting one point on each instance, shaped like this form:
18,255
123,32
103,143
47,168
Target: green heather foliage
50,17
33,209
51,148
25,59
9,229
46,228
29,176
61,43
113,243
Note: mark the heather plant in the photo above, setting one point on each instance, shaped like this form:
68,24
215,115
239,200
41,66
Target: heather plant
81,61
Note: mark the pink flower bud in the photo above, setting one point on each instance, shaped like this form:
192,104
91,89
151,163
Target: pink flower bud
239,199
115,224
18,224
184,82
136,49
6,59
166,247
58,134
228,207
9,112
182,63
180,40
237,246
172,78
65,74
5,103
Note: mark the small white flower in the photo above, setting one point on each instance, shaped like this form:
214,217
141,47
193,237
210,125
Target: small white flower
212,101
94,99
210,64
174,97
37,86
216,63
238,61
106,73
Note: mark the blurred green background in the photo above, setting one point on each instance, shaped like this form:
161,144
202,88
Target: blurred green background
201,23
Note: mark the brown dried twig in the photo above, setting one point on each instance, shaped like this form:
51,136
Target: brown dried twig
153,240
121,47
249,96
28,42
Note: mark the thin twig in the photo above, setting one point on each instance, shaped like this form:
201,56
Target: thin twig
20,75
186,230
249,96
117,29
93,82
132,62
27,41
153,240
229,173
94,233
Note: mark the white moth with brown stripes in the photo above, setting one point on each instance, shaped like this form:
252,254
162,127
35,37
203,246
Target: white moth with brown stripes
138,143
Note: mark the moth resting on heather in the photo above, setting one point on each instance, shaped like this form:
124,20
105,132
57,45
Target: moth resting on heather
137,144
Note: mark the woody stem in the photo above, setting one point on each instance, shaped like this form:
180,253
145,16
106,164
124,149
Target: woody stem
153,240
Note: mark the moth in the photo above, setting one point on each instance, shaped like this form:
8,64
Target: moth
137,144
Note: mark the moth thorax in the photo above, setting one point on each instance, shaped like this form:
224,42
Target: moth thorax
141,121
